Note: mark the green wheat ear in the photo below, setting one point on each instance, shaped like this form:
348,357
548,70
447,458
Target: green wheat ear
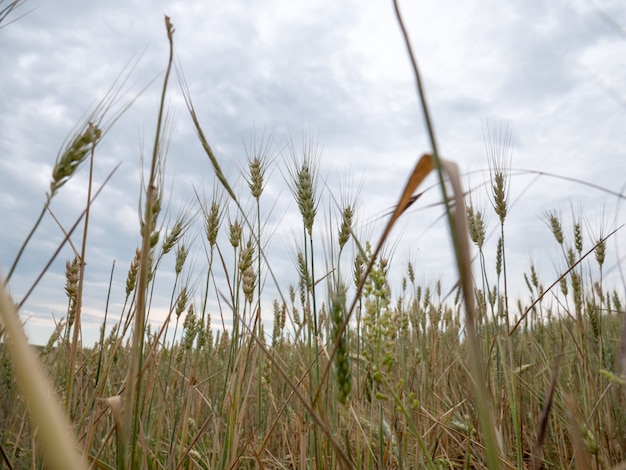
342,358
74,156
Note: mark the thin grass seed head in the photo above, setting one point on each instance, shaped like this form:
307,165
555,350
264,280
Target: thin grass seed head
554,223
182,250
247,272
212,223
534,278
305,198
403,321
181,304
156,204
599,245
246,256
257,168
591,443
205,334
276,326
492,296
457,296
303,271
598,290
480,300
283,317
72,274
571,257
499,256
156,197
577,289
342,357
224,344
528,283
201,337
500,194
73,156
499,153
54,337
578,238
234,236
292,294
358,270
174,235
448,323
600,251
410,272
426,298
476,226
345,229
303,186
131,279
248,283
294,309
378,324
151,270
617,303
190,328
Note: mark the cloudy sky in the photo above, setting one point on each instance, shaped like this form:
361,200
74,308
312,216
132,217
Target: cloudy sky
553,73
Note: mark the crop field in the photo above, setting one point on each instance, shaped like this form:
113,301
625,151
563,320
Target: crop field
357,369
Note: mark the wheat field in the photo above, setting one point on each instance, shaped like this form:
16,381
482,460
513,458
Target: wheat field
355,372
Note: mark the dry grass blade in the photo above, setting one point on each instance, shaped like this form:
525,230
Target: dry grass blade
420,172
54,430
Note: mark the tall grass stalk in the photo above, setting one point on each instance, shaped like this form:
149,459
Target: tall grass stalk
130,431
457,224
78,299
257,167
